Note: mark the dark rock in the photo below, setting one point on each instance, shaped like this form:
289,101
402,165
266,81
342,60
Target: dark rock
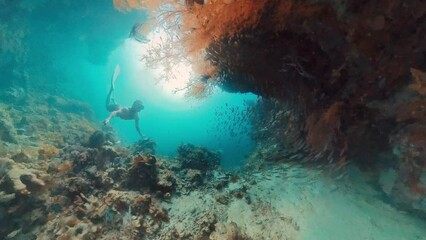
116,173
144,146
21,157
199,158
222,199
142,203
85,159
166,182
143,173
75,186
96,140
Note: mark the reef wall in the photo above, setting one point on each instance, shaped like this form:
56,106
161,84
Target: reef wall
349,76
352,73
60,178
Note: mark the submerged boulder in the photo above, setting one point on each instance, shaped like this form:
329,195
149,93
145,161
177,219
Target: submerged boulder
144,146
200,158
143,173
96,140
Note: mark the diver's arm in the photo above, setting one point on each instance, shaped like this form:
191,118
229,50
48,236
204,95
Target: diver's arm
113,114
137,126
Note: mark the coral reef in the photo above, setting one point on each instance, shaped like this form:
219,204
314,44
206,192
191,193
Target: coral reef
80,184
199,158
144,146
346,81
26,178
143,173
88,187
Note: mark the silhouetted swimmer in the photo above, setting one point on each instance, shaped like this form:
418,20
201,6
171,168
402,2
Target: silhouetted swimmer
125,113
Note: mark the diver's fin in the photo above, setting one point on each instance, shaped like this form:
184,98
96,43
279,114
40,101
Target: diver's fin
116,73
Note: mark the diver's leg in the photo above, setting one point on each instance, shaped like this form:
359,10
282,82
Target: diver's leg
108,98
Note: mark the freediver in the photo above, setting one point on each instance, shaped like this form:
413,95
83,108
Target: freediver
125,113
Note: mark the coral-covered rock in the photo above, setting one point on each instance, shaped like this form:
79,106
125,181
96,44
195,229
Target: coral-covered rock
166,181
106,155
408,187
70,106
234,232
70,228
116,173
22,157
206,225
199,158
194,176
19,178
47,151
96,140
144,146
143,173
75,186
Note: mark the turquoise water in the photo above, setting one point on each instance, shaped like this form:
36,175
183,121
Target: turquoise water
79,51
172,120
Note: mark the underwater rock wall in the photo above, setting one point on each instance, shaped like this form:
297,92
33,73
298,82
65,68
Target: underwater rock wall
346,83
352,73
393,161
32,139
349,76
